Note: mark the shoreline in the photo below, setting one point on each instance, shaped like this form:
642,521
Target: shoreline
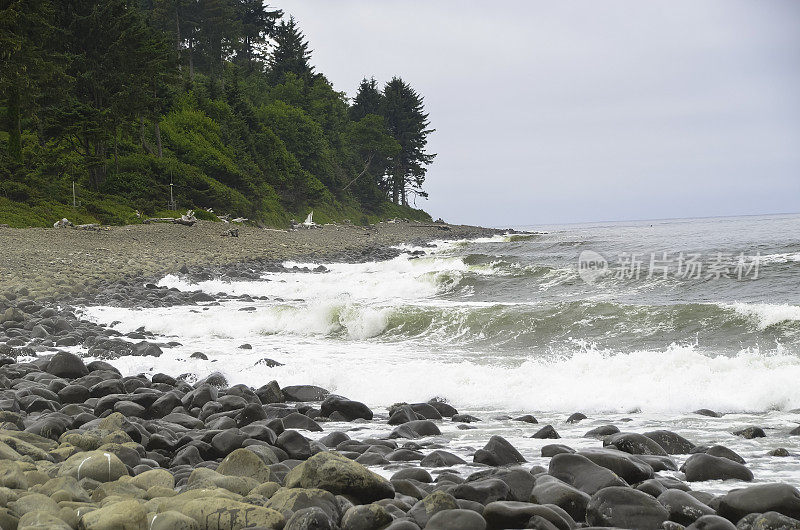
59,263
90,444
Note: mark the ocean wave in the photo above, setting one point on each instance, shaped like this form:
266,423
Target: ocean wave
767,315
475,325
676,379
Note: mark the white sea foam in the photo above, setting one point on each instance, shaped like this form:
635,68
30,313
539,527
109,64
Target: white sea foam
766,315
330,329
398,279
678,379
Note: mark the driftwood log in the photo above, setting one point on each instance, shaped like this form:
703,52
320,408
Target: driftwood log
188,219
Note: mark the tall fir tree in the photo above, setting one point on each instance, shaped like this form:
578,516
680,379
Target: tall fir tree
408,123
368,99
291,54
258,23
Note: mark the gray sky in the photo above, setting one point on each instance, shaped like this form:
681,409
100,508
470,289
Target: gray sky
581,110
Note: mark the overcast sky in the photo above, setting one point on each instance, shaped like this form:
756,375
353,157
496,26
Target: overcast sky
584,110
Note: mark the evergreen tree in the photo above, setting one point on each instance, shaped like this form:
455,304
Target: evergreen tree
27,61
258,24
291,54
218,33
368,99
408,123
373,147
89,87
112,60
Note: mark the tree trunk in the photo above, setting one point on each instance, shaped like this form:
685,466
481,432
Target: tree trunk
116,150
145,145
158,139
363,171
97,168
14,123
191,60
178,37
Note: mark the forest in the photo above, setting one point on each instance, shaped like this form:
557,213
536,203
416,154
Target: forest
109,105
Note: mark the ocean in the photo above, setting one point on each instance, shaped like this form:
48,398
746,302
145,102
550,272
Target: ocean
636,324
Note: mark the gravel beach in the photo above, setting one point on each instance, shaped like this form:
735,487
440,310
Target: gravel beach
52,262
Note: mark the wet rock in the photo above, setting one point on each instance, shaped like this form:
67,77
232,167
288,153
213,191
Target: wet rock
658,463
583,474
431,504
227,441
513,514
439,458
672,443
304,393
711,522
402,414
751,432
547,432
772,521
724,452
415,473
779,452
295,444
498,452
483,491
39,519
445,410
708,412
73,394
366,517
101,466
350,409
294,499
128,515
601,432
465,418
456,520
701,466
682,507
340,476
526,418
416,429
576,417
427,411
12,476
625,508
309,519
635,444
761,498
171,520
628,467
270,393
556,449
68,365
217,513
550,490
245,463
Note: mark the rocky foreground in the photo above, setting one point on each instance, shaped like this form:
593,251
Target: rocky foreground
82,446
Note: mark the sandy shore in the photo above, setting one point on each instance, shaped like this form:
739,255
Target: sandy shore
50,262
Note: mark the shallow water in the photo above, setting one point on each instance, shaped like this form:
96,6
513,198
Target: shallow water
508,325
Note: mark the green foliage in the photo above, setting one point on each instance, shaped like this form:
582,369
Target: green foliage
215,101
